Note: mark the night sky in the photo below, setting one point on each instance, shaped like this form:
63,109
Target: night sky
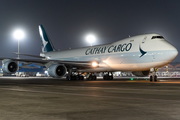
67,22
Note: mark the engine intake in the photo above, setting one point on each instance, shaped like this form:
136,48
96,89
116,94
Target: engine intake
57,70
9,66
141,73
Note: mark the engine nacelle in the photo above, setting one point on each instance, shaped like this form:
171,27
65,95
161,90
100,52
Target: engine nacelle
57,70
141,73
9,66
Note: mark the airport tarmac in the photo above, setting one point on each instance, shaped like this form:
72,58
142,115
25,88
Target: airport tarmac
58,99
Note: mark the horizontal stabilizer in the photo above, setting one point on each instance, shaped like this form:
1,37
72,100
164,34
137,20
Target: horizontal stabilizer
29,55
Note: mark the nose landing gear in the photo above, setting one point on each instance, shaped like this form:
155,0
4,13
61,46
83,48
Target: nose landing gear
153,76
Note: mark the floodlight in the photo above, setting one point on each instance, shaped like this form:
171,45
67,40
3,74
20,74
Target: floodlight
91,39
18,34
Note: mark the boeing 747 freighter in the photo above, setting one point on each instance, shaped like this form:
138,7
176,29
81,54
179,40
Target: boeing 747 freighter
141,54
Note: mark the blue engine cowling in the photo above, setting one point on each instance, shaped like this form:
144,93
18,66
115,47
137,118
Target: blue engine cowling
9,67
57,70
141,73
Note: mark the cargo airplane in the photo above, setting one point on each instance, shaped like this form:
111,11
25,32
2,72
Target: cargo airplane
141,54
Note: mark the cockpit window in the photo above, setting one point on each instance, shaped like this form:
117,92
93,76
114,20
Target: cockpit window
160,37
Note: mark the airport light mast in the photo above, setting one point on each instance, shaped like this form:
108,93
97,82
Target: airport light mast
18,35
91,38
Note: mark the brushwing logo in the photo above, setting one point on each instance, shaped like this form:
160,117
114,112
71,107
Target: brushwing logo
142,51
44,43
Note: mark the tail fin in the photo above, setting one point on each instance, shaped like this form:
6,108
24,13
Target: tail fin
47,46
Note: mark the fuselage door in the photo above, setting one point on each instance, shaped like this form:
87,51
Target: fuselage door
144,40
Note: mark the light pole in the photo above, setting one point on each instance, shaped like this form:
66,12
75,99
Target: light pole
91,39
18,35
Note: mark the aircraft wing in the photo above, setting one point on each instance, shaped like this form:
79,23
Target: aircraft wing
68,64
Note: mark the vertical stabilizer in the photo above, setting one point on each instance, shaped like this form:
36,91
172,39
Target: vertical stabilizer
47,46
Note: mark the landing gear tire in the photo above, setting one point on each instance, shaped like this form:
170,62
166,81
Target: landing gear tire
77,77
92,77
107,77
151,78
68,78
104,77
74,77
155,78
81,77
110,77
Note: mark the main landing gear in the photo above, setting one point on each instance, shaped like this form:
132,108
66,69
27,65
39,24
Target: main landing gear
108,77
74,77
153,76
71,76
91,76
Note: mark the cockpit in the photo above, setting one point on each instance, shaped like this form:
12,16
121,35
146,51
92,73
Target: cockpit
159,37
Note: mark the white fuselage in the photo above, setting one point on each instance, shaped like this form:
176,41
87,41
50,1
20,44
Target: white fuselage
138,53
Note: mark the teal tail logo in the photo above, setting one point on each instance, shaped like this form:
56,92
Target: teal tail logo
46,43
142,51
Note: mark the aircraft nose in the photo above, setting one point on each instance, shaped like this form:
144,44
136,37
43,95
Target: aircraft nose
175,52
171,51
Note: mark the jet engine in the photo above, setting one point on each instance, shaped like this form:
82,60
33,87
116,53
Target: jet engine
9,66
57,70
141,73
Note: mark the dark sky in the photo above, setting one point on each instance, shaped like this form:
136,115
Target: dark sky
69,21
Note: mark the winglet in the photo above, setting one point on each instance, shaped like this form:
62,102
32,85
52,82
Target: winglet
47,46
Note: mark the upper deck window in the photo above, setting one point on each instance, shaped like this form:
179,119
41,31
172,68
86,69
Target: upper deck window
160,37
